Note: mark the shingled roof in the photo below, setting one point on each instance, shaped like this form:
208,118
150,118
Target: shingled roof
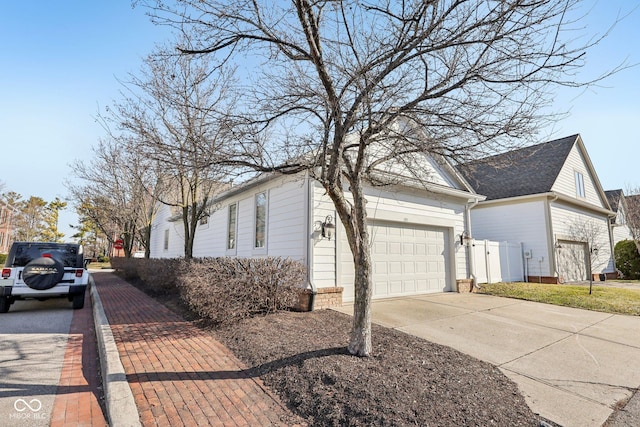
522,172
613,197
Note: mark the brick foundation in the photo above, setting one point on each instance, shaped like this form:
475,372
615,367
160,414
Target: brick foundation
324,298
549,280
465,286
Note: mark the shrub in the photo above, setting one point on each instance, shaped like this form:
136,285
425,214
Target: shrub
627,259
224,290
103,258
127,268
158,274
3,259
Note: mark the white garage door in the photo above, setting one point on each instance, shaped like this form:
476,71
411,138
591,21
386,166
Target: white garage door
572,261
408,259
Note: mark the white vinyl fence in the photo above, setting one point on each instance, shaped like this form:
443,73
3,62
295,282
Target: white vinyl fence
497,261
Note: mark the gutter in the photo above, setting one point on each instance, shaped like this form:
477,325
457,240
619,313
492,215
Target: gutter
470,259
308,237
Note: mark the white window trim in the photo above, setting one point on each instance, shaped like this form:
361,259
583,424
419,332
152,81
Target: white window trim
234,250
263,249
581,191
166,240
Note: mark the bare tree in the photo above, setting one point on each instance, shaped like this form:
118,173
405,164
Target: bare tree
30,220
331,82
597,250
175,115
117,193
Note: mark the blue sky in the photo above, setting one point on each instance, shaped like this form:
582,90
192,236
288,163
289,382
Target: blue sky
60,61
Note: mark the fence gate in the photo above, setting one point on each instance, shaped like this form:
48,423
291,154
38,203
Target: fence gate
497,261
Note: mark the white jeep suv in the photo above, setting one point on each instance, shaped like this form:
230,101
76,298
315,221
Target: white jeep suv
42,270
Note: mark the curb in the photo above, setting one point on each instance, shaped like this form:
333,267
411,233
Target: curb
120,405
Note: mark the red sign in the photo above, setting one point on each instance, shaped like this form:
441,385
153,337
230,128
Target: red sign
118,244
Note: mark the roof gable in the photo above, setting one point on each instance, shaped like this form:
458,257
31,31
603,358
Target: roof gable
526,171
614,197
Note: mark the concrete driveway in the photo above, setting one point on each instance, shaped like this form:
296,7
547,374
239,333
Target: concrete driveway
572,366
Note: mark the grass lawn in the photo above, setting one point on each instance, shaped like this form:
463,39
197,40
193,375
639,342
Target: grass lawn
98,265
607,299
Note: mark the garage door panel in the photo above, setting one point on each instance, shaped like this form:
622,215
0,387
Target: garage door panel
572,261
407,259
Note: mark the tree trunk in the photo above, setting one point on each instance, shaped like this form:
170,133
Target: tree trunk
354,220
188,237
360,341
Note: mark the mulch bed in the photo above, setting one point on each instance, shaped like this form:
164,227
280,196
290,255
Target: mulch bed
407,381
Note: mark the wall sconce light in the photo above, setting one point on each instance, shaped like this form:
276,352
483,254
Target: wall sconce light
594,251
558,245
327,227
465,238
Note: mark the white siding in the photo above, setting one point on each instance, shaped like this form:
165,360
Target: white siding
620,229
323,270
566,181
176,235
516,223
400,206
574,224
286,224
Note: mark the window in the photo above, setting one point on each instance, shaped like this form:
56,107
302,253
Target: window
579,184
231,226
166,239
261,220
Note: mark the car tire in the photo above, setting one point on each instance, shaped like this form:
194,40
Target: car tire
78,301
43,273
5,303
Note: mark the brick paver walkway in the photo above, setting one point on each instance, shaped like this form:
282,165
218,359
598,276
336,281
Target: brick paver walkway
76,402
179,374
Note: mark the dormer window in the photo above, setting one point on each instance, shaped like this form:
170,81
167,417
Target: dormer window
580,185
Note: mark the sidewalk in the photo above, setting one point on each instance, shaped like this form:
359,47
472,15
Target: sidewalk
177,374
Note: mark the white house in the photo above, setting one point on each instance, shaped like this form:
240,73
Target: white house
416,231
619,227
549,198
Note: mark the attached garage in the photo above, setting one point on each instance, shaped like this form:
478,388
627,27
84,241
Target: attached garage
408,259
572,261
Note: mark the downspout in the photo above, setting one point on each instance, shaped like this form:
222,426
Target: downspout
554,249
470,259
309,236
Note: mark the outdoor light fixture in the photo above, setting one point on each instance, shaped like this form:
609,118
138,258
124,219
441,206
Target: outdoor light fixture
327,227
465,238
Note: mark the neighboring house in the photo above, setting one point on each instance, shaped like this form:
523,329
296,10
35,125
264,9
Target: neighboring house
416,232
549,198
619,227
7,221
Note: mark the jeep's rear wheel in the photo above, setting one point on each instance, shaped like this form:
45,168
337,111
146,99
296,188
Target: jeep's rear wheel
5,303
78,301
43,273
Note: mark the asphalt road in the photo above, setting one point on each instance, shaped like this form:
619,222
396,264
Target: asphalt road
33,338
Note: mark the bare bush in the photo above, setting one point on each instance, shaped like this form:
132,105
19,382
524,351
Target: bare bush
224,290
159,275
127,268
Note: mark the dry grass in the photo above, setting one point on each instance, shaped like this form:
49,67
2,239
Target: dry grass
606,299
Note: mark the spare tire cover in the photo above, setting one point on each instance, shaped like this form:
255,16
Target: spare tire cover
42,273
